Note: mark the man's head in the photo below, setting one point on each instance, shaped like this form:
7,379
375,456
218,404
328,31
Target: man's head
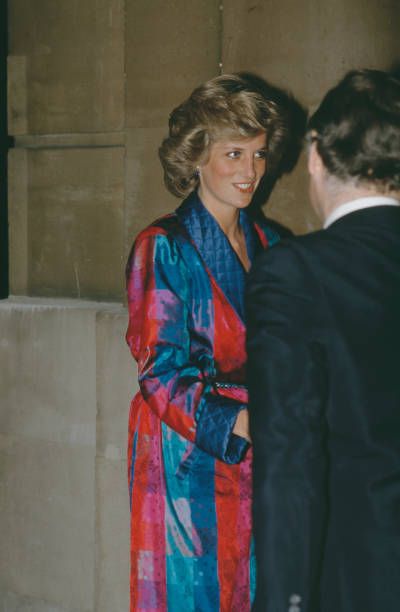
355,140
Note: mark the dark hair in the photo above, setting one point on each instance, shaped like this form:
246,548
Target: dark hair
225,106
357,129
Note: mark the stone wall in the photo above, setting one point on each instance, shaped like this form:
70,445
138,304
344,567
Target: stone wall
66,379
91,86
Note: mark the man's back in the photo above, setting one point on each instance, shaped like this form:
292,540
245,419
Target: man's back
337,330
357,263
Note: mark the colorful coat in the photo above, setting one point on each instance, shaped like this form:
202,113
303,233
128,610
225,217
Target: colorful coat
189,476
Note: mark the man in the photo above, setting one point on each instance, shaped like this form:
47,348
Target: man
324,370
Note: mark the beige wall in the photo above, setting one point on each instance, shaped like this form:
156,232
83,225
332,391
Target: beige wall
91,84
91,87
307,47
65,384
67,113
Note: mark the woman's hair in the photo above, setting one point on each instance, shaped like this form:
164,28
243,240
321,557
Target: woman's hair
228,106
357,129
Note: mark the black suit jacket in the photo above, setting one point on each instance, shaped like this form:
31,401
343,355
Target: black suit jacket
323,314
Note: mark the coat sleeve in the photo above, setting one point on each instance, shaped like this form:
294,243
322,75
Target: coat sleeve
288,382
178,388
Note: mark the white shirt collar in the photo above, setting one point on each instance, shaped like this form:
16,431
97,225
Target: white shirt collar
358,204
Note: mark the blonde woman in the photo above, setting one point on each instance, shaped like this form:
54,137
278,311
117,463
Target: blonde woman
189,449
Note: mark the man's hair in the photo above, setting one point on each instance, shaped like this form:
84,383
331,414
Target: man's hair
357,129
228,106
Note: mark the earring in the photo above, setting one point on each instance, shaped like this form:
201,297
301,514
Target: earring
197,172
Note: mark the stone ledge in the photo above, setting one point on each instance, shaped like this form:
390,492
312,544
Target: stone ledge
16,301
76,141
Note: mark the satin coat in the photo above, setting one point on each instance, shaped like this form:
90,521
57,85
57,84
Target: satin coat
189,476
324,384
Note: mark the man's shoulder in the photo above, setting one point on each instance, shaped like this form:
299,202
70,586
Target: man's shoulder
273,231
295,265
287,276
291,249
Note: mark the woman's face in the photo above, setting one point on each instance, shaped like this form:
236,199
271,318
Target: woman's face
232,172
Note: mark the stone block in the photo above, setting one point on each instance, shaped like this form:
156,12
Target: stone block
47,377
171,46
295,44
17,94
112,541
146,195
18,220
47,448
47,509
73,233
116,384
66,380
11,602
75,65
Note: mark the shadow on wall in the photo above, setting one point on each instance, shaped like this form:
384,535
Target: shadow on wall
289,149
394,70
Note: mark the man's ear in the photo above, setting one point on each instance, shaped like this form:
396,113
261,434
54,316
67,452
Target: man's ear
315,163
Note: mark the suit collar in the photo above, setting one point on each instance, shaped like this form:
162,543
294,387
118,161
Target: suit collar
381,215
359,204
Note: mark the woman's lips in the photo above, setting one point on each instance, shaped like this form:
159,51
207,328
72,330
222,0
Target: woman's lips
245,187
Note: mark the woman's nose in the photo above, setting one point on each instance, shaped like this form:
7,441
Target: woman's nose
249,169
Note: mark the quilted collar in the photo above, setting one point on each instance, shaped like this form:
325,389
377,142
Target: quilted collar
215,249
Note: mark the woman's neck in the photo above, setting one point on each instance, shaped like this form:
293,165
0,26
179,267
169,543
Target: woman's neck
227,218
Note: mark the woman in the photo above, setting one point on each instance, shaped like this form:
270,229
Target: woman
189,456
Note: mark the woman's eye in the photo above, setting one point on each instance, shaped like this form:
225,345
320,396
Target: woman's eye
262,154
233,154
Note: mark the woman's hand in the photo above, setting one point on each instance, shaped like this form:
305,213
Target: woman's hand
241,427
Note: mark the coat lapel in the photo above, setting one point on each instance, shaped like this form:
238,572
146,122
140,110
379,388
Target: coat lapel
223,266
